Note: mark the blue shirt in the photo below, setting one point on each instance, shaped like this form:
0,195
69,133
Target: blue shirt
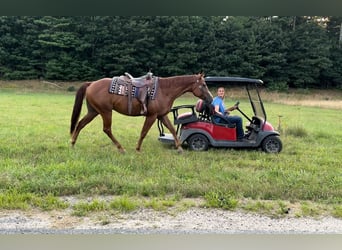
218,101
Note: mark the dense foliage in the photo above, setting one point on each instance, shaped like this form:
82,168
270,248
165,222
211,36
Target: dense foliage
283,51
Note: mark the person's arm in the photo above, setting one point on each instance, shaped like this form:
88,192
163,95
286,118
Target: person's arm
231,109
217,109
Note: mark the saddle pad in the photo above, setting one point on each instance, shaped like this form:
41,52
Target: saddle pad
152,91
119,87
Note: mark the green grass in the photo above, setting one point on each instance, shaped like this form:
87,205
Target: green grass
14,200
221,199
37,164
124,204
83,208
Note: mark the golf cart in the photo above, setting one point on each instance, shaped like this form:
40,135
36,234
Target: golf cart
197,128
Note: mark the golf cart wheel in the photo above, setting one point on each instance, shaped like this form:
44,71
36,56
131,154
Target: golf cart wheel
198,142
272,144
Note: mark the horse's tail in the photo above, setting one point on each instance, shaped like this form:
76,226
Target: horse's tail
78,105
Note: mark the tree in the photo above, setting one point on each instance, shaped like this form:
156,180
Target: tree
177,50
295,51
309,55
18,46
334,28
332,76
273,47
59,45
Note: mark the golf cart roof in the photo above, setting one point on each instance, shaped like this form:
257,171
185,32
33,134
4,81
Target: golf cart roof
228,79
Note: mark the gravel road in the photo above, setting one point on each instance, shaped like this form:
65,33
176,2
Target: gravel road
147,221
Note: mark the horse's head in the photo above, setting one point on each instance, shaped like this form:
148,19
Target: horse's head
200,89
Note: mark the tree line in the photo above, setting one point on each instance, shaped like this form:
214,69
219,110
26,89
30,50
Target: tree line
302,52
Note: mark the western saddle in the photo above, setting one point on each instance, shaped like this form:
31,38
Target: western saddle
142,83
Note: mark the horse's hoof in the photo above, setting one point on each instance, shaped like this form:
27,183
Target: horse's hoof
122,150
180,150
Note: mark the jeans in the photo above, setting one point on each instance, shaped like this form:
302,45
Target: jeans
238,121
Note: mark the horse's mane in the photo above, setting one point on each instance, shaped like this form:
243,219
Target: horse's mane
172,79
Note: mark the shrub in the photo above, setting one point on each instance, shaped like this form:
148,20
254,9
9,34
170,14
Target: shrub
71,89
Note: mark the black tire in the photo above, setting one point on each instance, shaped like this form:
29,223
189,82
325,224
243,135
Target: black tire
198,142
272,144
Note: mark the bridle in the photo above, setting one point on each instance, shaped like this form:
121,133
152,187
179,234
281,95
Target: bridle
202,85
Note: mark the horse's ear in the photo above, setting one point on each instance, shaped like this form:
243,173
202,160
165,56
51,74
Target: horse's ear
202,74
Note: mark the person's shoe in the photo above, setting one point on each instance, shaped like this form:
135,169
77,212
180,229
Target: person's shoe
245,139
246,135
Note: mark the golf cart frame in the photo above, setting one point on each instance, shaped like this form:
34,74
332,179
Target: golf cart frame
197,128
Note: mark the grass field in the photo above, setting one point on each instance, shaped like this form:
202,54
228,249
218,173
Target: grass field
38,166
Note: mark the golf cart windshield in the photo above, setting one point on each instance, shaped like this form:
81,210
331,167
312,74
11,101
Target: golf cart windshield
256,102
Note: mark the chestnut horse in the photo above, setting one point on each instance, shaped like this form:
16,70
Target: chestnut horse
100,101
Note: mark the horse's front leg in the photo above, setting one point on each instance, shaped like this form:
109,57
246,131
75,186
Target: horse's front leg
146,127
166,121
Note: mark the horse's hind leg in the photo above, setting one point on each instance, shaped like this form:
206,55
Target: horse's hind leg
81,124
107,128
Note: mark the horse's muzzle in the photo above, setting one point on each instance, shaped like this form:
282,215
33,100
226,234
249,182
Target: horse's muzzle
208,98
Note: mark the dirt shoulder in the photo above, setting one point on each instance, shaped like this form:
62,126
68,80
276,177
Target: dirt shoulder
145,221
